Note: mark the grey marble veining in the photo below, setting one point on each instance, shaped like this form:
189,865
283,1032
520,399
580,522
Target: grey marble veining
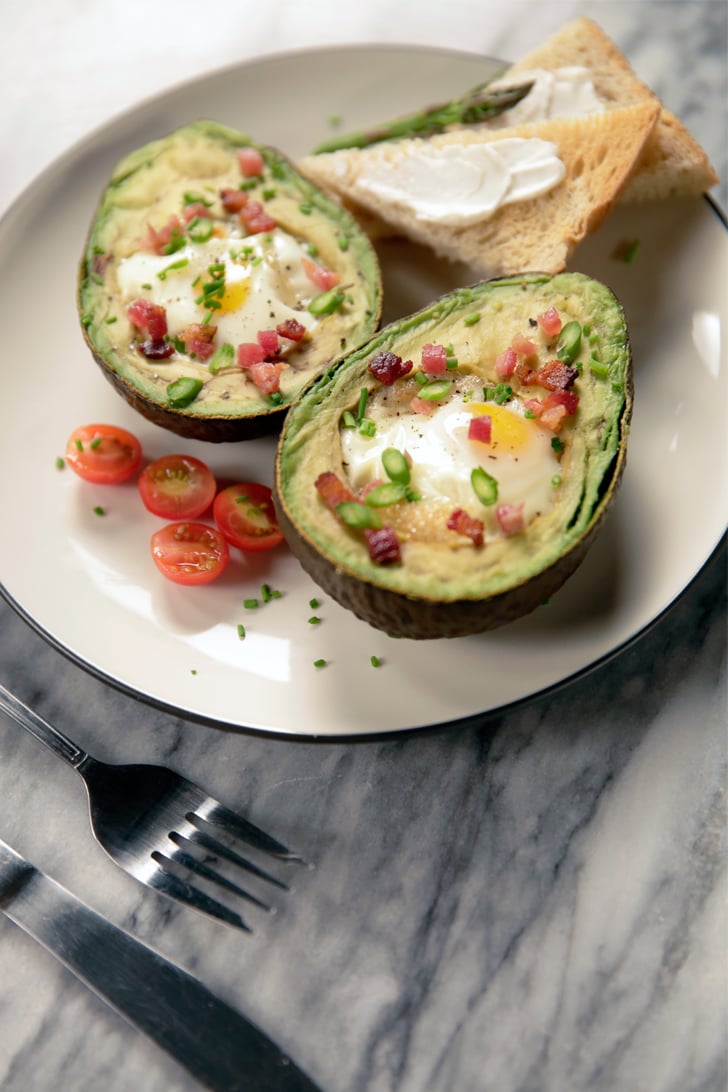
534,903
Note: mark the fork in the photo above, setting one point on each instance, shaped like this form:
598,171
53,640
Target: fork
150,820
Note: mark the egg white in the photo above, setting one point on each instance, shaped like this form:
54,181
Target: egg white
442,458
264,278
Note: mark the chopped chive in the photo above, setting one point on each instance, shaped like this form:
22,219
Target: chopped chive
569,343
381,496
529,414
484,486
179,264
312,250
196,199
99,511
320,663
314,620
86,320
326,303
597,368
241,631
357,515
60,463
265,593
557,445
451,362
367,427
200,229
436,390
421,379
95,443
269,193
79,445
223,357
375,661
183,391
348,420
314,603
395,465
363,395
343,242
250,604
471,320
556,480
306,208
111,320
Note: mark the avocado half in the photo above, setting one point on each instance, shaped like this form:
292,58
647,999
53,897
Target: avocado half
444,579
227,250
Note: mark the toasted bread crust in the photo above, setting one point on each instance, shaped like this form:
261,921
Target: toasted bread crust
672,164
599,153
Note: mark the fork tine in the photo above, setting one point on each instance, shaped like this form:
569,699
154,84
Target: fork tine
218,815
187,860
169,884
198,837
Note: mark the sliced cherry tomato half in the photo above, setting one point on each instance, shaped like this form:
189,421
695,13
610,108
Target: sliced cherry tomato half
190,553
177,487
245,515
104,454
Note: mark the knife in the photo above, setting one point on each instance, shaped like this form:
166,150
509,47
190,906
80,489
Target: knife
216,1044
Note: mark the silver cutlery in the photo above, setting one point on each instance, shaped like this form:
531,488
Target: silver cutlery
162,828
219,1046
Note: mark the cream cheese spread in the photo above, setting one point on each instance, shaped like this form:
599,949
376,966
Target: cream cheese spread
461,183
564,93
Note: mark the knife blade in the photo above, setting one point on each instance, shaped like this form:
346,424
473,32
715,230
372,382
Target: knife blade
219,1046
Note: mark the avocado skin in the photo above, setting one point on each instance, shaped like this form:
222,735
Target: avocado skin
255,418
423,616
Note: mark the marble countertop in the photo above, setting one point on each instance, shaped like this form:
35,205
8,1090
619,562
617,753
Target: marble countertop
535,902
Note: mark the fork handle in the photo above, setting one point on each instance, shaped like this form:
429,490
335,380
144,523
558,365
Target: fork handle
35,724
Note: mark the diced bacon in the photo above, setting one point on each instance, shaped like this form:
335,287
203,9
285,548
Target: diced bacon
249,353
198,339
157,240
555,375
156,348
467,525
324,279
510,518
505,363
268,341
291,329
267,375
553,417
196,209
568,399
387,367
535,405
332,490
233,200
383,545
523,346
550,322
251,162
434,359
524,373
422,406
481,428
150,318
556,406
255,218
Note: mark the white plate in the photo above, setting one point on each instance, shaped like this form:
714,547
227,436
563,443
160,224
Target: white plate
87,582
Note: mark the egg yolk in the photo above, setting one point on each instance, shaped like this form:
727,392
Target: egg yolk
508,429
235,294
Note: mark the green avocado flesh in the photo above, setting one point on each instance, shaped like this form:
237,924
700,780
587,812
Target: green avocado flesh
537,484
227,251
